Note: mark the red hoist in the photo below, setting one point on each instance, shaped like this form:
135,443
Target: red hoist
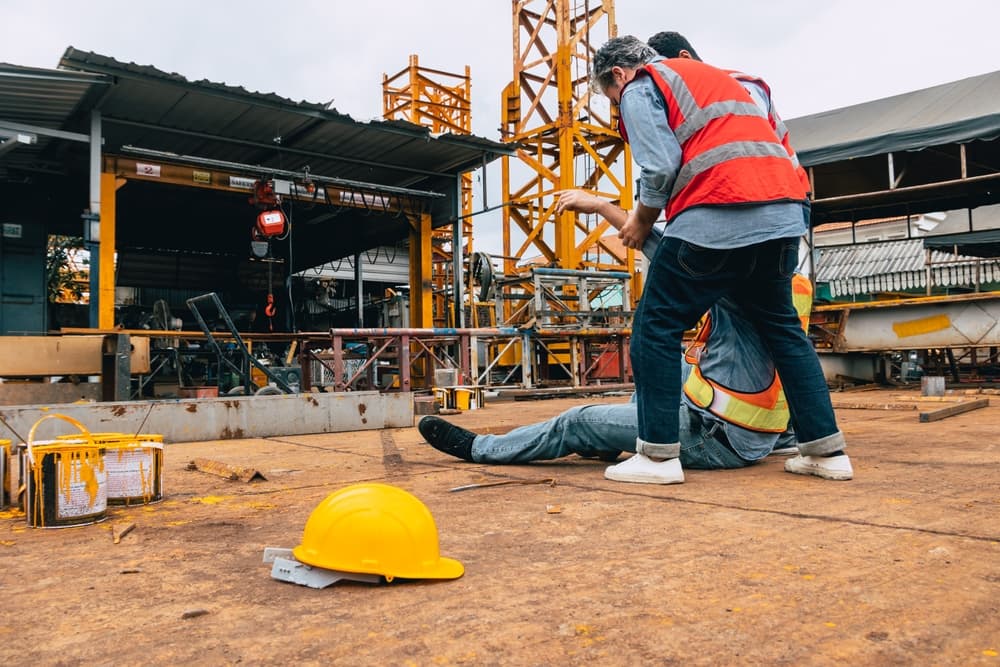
271,223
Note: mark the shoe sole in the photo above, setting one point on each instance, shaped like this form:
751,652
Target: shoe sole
832,475
643,479
789,451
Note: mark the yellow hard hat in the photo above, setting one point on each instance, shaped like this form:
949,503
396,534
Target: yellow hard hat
375,529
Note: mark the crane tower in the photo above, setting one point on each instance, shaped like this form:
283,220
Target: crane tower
568,140
442,102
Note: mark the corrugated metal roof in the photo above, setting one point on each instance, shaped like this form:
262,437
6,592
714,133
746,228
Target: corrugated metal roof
154,109
43,98
957,111
894,266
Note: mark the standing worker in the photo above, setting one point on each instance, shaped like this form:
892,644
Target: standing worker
735,209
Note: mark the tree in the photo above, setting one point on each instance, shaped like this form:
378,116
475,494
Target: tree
65,277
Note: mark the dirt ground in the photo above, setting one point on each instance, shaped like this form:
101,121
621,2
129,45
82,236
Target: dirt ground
755,566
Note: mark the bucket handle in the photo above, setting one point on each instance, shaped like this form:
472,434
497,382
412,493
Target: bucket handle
34,427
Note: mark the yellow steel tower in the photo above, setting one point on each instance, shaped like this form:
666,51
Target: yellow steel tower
567,136
441,101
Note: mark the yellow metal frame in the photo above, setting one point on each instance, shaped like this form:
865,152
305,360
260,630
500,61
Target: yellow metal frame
568,140
442,102
119,170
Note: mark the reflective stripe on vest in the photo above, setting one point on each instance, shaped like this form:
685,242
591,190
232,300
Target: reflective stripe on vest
765,411
730,153
777,125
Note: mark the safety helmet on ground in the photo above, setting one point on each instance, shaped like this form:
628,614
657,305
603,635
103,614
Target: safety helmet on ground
375,529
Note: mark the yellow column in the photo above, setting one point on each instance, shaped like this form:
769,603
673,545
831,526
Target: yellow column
421,282
106,274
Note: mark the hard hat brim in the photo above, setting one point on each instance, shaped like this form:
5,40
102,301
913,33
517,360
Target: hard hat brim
447,568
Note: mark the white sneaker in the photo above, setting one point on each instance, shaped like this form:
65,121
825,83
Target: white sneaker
644,470
833,467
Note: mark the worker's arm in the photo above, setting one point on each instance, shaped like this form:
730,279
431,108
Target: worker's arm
655,150
582,201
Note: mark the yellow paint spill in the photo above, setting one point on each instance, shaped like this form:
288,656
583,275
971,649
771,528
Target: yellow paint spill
990,653
210,500
791,568
808,577
7,543
11,514
582,629
830,625
261,505
923,325
177,523
897,501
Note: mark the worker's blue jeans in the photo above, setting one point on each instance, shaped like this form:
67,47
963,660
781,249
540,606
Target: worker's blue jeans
683,281
591,430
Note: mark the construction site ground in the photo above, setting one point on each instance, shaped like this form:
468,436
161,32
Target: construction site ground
754,566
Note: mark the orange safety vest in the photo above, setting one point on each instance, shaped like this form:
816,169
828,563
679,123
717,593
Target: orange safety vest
777,125
763,411
730,155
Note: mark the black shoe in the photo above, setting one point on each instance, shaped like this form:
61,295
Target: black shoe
446,437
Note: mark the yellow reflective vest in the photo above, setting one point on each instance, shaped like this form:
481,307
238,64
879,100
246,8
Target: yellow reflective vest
764,411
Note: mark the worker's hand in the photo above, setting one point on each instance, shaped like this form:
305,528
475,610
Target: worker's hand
579,201
634,232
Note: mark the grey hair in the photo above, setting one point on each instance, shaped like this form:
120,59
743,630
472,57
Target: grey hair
627,51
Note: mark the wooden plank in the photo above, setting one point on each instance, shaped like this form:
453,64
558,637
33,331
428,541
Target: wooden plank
230,472
874,406
952,410
35,356
931,399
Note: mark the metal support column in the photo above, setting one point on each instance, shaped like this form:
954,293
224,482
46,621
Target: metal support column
106,273
359,289
94,239
116,367
421,283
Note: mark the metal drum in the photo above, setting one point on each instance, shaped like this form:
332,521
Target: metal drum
66,483
135,468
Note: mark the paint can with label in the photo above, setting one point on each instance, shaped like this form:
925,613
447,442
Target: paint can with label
134,464
135,468
66,483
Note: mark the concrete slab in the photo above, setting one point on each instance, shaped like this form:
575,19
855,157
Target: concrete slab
754,566
187,420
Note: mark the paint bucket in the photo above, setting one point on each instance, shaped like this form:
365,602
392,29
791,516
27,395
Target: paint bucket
4,473
135,468
66,483
134,464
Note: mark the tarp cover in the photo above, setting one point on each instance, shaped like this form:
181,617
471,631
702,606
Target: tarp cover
985,243
954,112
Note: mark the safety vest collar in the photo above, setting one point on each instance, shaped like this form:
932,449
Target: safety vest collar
696,117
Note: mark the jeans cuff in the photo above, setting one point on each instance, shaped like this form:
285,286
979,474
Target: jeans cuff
656,450
824,445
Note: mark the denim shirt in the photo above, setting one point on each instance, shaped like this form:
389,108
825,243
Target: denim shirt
658,154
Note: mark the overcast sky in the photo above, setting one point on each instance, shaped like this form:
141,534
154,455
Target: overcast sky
815,55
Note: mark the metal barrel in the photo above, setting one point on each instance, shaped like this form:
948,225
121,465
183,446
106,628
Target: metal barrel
65,480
